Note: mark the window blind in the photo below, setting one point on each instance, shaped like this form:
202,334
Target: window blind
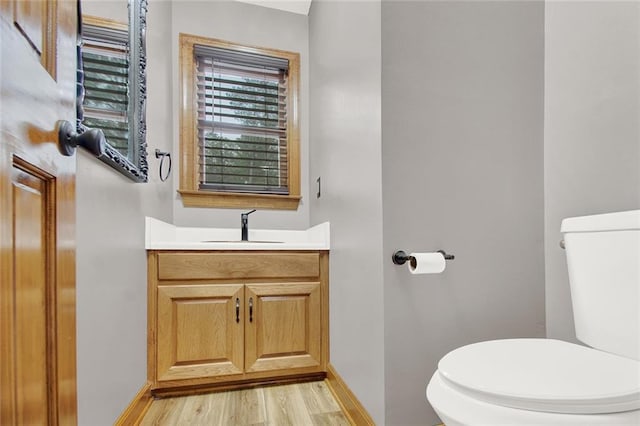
105,58
242,121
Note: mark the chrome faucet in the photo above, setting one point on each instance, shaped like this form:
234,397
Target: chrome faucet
244,222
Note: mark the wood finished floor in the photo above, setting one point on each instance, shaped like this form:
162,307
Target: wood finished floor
298,404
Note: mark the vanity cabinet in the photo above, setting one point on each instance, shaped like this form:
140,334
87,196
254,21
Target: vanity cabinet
235,317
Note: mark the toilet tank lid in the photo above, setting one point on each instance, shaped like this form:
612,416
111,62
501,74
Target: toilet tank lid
618,221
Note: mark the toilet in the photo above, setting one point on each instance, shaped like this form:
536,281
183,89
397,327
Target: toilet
552,382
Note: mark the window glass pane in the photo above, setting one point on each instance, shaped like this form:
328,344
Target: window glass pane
242,126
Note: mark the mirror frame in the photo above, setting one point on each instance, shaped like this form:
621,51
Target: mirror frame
135,168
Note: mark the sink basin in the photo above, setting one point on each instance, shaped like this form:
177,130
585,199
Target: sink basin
240,241
160,235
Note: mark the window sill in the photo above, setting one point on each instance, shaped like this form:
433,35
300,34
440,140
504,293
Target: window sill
238,200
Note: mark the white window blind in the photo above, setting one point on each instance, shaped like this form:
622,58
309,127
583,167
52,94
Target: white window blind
242,121
105,61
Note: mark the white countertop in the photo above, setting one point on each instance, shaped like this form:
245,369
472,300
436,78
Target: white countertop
164,236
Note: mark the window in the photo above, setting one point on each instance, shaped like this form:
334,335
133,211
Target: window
239,136
105,63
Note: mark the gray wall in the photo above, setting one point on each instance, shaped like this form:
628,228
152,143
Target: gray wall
253,25
592,127
111,261
462,162
344,42
110,257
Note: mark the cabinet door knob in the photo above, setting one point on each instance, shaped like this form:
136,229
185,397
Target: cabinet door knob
251,309
237,309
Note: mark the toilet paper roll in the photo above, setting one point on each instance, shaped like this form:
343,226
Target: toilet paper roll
427,263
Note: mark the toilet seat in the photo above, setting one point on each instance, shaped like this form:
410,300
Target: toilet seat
457,409
543,375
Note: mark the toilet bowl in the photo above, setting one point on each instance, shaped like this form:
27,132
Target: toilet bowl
552,382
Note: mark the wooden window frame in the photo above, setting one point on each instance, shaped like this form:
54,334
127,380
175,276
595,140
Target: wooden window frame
189,190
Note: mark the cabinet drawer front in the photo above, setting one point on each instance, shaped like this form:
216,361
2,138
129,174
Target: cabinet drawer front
237,265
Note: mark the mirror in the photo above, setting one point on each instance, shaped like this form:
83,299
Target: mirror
112,77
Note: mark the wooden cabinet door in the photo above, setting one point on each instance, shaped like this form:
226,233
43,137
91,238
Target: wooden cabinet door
200,331
37,214
283,326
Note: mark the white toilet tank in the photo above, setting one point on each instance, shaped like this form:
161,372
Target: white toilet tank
603,258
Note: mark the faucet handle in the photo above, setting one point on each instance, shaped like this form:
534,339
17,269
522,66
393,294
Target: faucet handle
244,217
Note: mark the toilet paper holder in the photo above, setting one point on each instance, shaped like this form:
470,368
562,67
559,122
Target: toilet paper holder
400,257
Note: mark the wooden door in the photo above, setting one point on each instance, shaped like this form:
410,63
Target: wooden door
283,327
37,214
200,331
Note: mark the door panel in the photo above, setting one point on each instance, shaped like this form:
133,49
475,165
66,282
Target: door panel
31,282
200,331
31,18
37,214
36,22
283,327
